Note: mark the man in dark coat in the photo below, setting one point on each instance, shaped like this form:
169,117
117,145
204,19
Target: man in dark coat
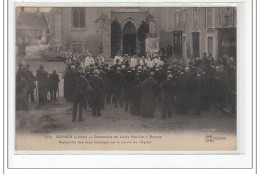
103,76
109,85
149,93
220,78
197,87
21,89
43,85
187,94
232,84
127,79
206,91
54,84
117,86
167,89
31,84
98,88
79,94
135,95
69,81
89,76
181,86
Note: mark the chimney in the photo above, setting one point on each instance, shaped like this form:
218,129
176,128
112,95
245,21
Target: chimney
38,9
22,9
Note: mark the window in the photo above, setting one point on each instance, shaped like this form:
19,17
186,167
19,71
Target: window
195,17
225,17
228,17
184,19
177,20
184,46
78,17
210,45
209,23
181,19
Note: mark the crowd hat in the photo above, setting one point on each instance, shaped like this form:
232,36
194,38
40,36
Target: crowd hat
96,72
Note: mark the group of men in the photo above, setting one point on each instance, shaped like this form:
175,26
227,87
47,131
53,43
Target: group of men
142,87
43,82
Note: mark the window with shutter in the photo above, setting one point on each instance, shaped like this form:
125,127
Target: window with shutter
181,20
210,45
209,16
226,17
195,17
177,20
78,17
231,15
184,19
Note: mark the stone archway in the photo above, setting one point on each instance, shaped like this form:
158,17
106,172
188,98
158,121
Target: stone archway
129,36
129,39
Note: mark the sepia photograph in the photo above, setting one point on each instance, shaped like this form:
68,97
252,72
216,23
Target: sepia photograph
126,78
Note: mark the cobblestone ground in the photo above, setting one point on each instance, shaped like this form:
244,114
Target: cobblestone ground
56,117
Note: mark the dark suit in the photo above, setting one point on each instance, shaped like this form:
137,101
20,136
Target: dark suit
135,96
127,79
43,85
167,89
79,96
53,85
98,88
148,100
117,86
31,85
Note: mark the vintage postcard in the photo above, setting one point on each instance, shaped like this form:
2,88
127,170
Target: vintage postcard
126,78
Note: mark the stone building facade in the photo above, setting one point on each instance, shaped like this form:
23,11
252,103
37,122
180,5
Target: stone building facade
204,30
180,32
82,29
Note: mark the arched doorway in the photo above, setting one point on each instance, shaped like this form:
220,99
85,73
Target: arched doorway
129,39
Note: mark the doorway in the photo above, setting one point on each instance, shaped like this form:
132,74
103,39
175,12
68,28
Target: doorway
196,44
129,39
177,44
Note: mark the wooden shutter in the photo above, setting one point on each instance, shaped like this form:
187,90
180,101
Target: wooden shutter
209,23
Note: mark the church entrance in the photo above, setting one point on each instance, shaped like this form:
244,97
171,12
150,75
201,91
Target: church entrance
129,39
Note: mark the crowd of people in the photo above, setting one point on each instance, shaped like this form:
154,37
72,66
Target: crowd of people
140,85
26,83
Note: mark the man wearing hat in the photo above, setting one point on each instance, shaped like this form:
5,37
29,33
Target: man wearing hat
117,80
71,80
53,85
98,89
43,84
181,87
103,76
31,83
135,95
80,93
149,93
109,85
197,87
168,90
127,79
21,89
